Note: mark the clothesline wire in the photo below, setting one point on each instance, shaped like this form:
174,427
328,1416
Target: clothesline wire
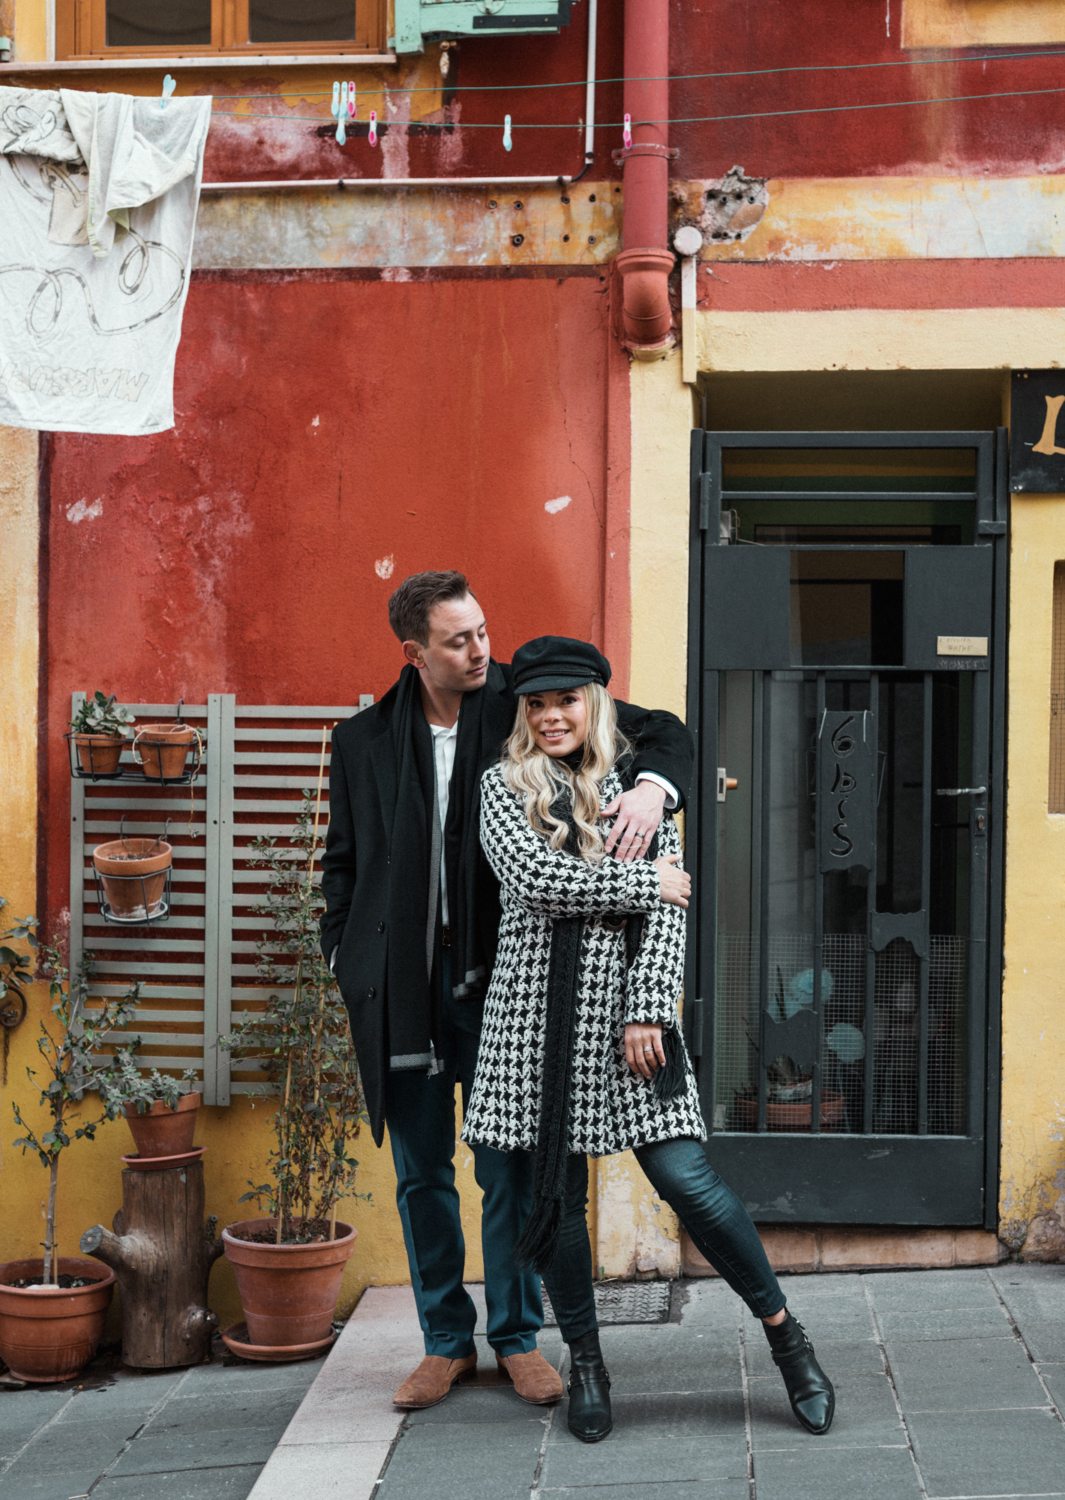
760,114
517,88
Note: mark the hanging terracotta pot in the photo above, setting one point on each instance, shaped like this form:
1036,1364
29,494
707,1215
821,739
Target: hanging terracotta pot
162,1131
790,1116
288,1292
161,750
49,1333
133,875
99,754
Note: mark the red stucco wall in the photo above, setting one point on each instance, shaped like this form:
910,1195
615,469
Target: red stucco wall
325,426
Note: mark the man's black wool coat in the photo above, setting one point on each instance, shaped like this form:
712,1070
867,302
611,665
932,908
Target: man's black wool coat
356,869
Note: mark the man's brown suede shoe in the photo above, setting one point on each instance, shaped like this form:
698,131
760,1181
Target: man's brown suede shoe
534,1380
432,1381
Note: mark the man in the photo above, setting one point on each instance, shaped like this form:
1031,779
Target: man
409,929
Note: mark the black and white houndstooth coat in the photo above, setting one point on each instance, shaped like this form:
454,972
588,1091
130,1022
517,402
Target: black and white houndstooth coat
612,1108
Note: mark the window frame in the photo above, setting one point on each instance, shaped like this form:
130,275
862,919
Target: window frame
81,30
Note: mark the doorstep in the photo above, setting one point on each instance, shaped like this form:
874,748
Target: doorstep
337,1442
802,1248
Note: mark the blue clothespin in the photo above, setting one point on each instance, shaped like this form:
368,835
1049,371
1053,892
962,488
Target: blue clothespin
507,142
169,85
339,109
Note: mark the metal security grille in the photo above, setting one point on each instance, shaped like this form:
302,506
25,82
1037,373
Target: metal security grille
1056,788
198,970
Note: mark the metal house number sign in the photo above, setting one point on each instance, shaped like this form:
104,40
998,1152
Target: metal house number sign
846,802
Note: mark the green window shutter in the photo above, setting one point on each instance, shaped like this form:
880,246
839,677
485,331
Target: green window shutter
421,21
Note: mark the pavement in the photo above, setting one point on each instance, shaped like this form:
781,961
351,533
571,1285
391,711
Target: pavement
950,1386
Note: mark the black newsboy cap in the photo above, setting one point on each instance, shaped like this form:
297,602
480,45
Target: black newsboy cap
555,662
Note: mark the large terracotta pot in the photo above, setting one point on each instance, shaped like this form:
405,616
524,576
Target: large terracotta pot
162,749
288,1292
99,754
133,878
162,1131
790,1116
47,1333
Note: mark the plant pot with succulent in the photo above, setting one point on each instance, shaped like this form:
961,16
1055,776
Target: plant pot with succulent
160,1111
98,732
161,750
289,1264
133,874
52,1309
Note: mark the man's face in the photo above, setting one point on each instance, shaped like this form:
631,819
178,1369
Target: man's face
455,659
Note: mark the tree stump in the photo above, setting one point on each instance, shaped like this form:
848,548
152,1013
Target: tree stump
161,1253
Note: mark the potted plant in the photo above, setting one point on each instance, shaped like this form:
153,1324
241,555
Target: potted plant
52,1309
133,874
161,750
289,1263
99,731
161,1114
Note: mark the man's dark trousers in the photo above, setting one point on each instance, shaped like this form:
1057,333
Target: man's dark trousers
420,1114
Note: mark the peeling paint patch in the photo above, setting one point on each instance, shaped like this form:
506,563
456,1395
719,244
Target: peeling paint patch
82,510
384,567
733,206
554,506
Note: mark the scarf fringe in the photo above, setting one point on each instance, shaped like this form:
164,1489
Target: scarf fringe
671,1080
538,1240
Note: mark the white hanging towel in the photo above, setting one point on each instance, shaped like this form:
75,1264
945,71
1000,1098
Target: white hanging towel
98,198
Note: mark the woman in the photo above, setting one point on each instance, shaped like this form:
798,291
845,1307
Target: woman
581,1053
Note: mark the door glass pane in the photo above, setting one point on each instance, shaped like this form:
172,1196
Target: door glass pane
302,21
158,23
846,608
766,1036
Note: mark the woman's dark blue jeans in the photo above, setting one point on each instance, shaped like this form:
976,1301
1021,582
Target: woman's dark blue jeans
719,1225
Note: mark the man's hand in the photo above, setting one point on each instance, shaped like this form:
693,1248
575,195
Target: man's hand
638,814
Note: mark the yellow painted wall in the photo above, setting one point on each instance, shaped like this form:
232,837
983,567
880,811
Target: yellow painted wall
1033,1043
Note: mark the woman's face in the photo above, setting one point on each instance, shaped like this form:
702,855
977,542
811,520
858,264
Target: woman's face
558,720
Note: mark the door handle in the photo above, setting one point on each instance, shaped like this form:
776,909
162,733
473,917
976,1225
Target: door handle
725,783
961,791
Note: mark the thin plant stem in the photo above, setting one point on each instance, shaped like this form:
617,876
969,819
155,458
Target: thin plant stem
51,1260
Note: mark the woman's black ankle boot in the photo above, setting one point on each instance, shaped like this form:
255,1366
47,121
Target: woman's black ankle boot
813,1399
589,1391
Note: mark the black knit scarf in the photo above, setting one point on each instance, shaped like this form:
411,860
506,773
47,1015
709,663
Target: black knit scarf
539,1237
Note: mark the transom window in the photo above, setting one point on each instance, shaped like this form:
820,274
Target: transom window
104,28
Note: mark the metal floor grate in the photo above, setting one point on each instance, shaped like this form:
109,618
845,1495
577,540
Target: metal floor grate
624,1302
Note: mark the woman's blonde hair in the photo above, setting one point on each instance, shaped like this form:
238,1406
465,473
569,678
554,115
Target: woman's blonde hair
539,780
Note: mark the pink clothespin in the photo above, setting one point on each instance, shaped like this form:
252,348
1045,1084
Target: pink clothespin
373,127
351,100
626,134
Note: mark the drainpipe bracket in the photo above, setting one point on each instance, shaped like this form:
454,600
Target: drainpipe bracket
645,148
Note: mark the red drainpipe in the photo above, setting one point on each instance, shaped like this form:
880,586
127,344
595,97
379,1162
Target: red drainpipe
645,260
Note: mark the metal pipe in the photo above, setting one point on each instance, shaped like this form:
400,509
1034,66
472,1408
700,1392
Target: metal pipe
646,261
589,91
559,180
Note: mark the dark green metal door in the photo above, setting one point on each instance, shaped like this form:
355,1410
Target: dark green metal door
847,619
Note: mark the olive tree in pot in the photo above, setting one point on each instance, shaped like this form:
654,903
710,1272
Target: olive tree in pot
289,1263
52,1310
160,1110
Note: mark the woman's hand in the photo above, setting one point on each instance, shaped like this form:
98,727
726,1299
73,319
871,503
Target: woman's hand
676,884
644,1052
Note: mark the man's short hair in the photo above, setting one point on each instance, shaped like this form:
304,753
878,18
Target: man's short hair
412,603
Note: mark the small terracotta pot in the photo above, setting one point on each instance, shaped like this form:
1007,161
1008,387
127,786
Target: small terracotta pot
99,754
288,1292
162,749
162,1131
129,897
48,1334
791,1116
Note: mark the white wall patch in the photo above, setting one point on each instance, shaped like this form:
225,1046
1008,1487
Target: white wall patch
81,510
384,567
554,506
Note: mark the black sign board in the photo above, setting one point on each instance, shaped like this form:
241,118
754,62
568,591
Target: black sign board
848,760
1037,432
